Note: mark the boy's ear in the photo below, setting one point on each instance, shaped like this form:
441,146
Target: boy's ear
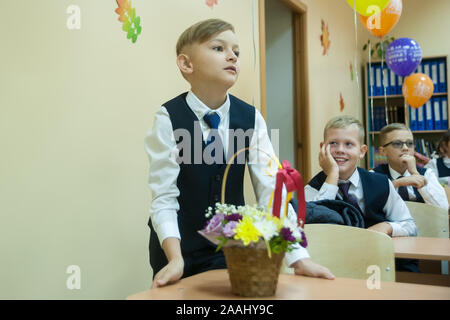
363,151
184,63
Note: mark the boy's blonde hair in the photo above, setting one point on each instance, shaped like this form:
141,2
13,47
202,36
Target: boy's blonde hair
389,128
202,31
341,122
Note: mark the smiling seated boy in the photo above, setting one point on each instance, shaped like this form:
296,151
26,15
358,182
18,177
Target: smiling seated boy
371,193
208,58
412,182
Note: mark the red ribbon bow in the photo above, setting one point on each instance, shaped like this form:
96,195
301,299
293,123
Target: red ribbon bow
293,181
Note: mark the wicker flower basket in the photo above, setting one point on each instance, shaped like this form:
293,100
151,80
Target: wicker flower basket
252,273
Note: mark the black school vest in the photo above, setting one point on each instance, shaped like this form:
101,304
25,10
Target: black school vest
200,184
384,169
376,192
442,168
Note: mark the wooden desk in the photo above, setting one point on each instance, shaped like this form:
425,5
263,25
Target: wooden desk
215,285
422,248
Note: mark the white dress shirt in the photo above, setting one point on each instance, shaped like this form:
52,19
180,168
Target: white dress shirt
160,145
432,193
432,164
397,213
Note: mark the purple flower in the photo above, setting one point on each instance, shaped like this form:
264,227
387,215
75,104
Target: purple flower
304,242
230,229
233,217
286,233
214,224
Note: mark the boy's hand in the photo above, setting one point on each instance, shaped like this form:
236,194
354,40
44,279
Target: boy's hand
417,181
382,227
327,163
306,267
171,273
410,161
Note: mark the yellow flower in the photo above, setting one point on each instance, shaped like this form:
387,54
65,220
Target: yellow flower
246,232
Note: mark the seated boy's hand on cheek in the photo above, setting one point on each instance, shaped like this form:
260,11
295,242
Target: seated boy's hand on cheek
326,160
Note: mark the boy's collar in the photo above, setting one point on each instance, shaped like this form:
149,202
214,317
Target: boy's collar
200,109
395,175
354,179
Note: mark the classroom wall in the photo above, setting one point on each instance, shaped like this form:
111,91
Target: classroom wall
329,75
75,106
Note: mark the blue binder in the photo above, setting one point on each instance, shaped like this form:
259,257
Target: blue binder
378,81
434,75
399,84
437,113
420,118
429,115
444,113
442,86
426,68
385,80
419,68
392,83
412,119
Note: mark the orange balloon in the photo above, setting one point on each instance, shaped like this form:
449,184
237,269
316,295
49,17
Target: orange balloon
380,23
417,89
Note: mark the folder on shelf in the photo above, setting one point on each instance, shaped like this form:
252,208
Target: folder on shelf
392,83
426,68
399,84
429,115
378,81
385,80
419,68
420,118
437,112
435,76
370,80
412,118
442,76
444,113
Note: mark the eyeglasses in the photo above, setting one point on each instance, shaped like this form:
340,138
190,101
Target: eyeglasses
398,144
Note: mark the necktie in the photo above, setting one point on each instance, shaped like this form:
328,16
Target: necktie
403,191
348,197
212,120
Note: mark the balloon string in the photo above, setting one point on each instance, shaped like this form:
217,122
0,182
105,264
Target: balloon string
382,80
355,60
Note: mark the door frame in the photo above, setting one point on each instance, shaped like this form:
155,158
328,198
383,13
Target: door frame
302,139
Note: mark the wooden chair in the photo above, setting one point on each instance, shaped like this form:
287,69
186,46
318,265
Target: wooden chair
431,221
348,252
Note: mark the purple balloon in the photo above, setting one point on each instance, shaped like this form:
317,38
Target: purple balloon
403,56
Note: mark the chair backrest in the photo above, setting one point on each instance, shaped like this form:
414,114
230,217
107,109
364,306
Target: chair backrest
351,252
431,221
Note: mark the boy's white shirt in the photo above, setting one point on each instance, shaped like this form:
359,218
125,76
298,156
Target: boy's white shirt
397,213
160,146
432,193
432,164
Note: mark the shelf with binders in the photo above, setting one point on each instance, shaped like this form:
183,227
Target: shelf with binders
385,104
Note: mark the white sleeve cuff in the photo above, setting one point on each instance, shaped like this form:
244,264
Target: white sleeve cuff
166,230
295,255
397,230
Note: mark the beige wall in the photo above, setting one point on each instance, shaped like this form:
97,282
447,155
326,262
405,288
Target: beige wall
329,75
74,109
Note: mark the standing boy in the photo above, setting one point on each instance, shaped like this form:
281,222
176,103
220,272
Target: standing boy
208,58
412,182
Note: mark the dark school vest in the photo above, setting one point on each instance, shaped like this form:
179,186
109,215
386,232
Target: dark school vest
200,183
376,192
442,168
384,169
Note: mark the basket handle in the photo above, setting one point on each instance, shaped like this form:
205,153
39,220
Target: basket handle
285,175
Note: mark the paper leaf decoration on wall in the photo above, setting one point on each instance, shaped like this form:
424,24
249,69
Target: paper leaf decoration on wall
341,102
211,3
325,38
130,23
351,71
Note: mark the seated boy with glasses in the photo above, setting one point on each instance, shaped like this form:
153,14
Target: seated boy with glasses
412,182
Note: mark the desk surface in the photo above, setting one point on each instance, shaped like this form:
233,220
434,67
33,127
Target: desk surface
215,285
422,248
